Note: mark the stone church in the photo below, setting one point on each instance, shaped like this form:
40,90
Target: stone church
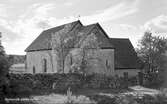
115,55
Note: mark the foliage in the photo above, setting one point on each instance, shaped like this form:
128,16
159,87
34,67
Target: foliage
15,59
71,99
81,100
4,66
100,99
89,46
65,40
97,99
151,51
61,82
62,99
116,99
69,96
60,46
148,99
126,99
19,89
129,99
153,80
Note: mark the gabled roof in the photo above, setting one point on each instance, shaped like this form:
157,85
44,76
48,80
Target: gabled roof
42,42
102,38
125,55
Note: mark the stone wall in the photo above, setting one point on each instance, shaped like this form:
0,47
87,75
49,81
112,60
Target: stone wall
103,63
36,59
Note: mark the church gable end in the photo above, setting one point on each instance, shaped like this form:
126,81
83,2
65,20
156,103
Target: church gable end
111,52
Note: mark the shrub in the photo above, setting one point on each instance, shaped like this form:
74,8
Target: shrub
101,99
126,99
19,89
60,82
4,66
153,80
133,81
71,81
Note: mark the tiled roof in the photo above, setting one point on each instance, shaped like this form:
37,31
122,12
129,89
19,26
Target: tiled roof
125,55
42,42
102,38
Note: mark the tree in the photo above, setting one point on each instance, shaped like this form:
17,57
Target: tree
151,51
66,40
4,66
88,46
62,42
59,46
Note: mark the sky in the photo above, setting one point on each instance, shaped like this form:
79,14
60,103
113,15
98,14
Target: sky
21,21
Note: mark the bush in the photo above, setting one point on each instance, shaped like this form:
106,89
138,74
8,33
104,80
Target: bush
129,99
133,81
153,80
4,66
18,89
157,99
126,99
60,82
70,80
103,99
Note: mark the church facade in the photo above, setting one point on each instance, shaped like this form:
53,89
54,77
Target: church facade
115,55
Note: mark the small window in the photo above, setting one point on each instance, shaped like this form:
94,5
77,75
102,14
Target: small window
44,65
33,70
107,63
71,61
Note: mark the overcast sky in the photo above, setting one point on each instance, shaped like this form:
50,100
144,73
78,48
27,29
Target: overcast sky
21,21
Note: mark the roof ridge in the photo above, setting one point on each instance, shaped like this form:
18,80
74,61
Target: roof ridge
78,21
92,24
74,23
37,44
121,38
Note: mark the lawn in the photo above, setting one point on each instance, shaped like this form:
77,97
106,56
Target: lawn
88,92
92,96
52,97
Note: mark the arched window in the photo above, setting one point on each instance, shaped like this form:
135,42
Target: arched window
44,65
71,61
107,63
33,69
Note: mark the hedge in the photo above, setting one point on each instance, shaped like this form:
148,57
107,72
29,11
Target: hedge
61,82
